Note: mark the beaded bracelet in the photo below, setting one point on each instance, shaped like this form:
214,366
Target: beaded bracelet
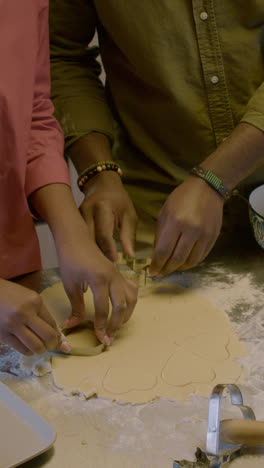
213,181
96,168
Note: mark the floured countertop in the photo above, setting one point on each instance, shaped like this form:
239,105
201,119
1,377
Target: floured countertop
96,433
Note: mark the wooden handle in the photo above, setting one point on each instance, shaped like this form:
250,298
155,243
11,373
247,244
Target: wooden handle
242,431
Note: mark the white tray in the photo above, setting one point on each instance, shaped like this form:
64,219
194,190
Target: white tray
23,433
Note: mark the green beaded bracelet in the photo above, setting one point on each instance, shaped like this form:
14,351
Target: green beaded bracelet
95,169
213,181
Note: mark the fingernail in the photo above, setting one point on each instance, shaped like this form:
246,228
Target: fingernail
65,347
64,324
108,340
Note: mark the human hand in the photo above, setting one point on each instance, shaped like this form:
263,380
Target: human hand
25,323
188,226
106,207
82,264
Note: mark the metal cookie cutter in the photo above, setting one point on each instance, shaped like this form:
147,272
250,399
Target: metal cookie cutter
137,266
221,451
218,453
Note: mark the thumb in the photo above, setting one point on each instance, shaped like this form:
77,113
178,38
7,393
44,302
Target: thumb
78,309
128,234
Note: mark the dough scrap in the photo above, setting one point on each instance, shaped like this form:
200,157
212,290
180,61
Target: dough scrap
165,350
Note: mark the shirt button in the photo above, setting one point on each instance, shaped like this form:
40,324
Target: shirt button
214,79
204,16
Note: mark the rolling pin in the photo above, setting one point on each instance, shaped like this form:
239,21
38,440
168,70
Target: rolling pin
242,431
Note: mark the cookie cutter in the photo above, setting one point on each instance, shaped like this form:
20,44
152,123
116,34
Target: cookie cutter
82,350
219,453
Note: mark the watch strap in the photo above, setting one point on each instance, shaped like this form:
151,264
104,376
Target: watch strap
213,181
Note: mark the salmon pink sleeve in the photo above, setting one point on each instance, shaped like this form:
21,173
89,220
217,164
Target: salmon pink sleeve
45,161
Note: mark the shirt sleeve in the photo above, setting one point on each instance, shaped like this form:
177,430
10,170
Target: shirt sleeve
77,92
254,112
45,160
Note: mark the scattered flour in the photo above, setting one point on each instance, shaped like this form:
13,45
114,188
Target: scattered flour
243,300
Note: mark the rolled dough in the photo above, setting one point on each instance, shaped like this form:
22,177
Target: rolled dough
83,340
175,344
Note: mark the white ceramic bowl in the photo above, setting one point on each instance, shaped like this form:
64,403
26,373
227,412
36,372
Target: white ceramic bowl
256,214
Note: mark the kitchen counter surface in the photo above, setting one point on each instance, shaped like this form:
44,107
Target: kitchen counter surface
97,433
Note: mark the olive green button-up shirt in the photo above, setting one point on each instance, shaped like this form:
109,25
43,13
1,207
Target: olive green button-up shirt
181,74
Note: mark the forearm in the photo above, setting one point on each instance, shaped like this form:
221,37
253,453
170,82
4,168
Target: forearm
238,156
55,204
89,149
